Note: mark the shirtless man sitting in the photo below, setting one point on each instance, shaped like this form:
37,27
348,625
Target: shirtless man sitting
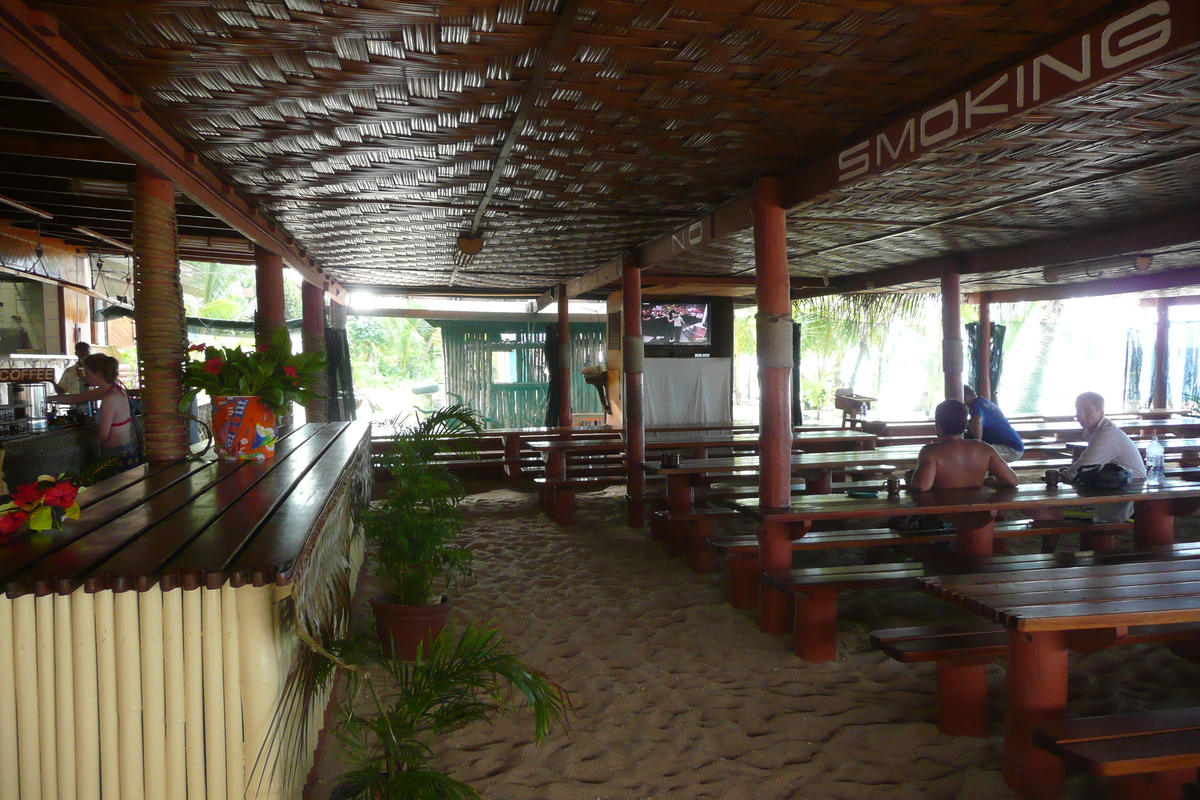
953,462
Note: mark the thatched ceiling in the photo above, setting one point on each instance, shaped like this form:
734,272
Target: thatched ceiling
376,132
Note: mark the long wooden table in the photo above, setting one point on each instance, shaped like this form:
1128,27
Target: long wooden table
1135,427
1049,611
557,451
972,511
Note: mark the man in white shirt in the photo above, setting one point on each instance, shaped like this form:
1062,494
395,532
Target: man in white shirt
1106,443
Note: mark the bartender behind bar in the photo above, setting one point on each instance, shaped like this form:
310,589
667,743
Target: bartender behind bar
72,381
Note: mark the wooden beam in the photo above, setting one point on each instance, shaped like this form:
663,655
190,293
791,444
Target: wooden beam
539,82
72,148
106,239
28,209
1174,279
1186,300
469,316
33,50
1160,30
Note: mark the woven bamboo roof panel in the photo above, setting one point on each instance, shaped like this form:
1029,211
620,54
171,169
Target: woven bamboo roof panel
1126,151
653,110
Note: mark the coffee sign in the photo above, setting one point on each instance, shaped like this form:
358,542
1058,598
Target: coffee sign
26,374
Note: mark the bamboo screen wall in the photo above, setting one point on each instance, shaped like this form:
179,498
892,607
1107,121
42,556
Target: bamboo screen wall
179,693
519,399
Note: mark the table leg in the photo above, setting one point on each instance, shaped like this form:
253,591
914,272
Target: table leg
774,553
975,532
1036,694
818,481
1153,523
512,458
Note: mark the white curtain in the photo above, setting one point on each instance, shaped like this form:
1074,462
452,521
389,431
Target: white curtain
682,390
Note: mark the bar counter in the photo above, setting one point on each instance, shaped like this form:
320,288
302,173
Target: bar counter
151,648
52,451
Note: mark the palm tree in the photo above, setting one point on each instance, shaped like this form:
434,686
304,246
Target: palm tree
833,324
1032,394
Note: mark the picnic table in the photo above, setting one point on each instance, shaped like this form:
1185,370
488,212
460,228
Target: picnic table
557,451
1135,426
1048,611
972,511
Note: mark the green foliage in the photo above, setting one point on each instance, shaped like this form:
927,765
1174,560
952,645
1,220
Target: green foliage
275,374
387,350
465,677
416,524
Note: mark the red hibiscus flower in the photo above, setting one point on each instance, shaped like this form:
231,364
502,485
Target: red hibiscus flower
28,494
290,372
11,522
213,365
197,348
61,495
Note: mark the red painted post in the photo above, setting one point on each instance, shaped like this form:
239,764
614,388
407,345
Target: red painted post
313,298
1158,395
1036,694
268,288
952,355
158,313
773,286
984,389
564,359
774,349
632,353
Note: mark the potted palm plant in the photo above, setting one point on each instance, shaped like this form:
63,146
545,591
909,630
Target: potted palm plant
414,530
393,712
249,390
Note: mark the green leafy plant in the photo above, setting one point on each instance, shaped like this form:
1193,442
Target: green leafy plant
274,373
415,525
395,710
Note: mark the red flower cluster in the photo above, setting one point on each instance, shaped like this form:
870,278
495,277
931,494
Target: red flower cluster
197,348
11,522
213,365
42,505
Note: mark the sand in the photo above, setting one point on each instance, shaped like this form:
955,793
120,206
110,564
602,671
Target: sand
678,695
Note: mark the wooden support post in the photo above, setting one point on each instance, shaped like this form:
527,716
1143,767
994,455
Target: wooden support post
564,358
952,352
268,287
774,347
313,298
158,314
984,367
632,353
1158,394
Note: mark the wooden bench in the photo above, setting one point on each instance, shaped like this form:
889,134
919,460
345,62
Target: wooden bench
1148,754
962,653
816,589
742,550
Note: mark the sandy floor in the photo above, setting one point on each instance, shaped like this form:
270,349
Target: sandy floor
678,695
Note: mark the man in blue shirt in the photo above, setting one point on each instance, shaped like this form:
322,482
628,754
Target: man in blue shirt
988,424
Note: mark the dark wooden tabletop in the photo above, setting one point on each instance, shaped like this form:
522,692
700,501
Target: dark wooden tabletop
1083,597
952,501
193,522
666,442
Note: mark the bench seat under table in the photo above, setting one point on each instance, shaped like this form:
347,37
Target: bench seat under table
1148,754
742,550
962,653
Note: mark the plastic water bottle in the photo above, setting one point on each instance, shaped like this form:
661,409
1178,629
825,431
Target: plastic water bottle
1155,462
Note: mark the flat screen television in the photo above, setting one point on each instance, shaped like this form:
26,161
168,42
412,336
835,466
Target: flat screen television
675,324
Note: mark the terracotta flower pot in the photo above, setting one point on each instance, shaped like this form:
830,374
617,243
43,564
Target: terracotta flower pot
401,628
243,428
